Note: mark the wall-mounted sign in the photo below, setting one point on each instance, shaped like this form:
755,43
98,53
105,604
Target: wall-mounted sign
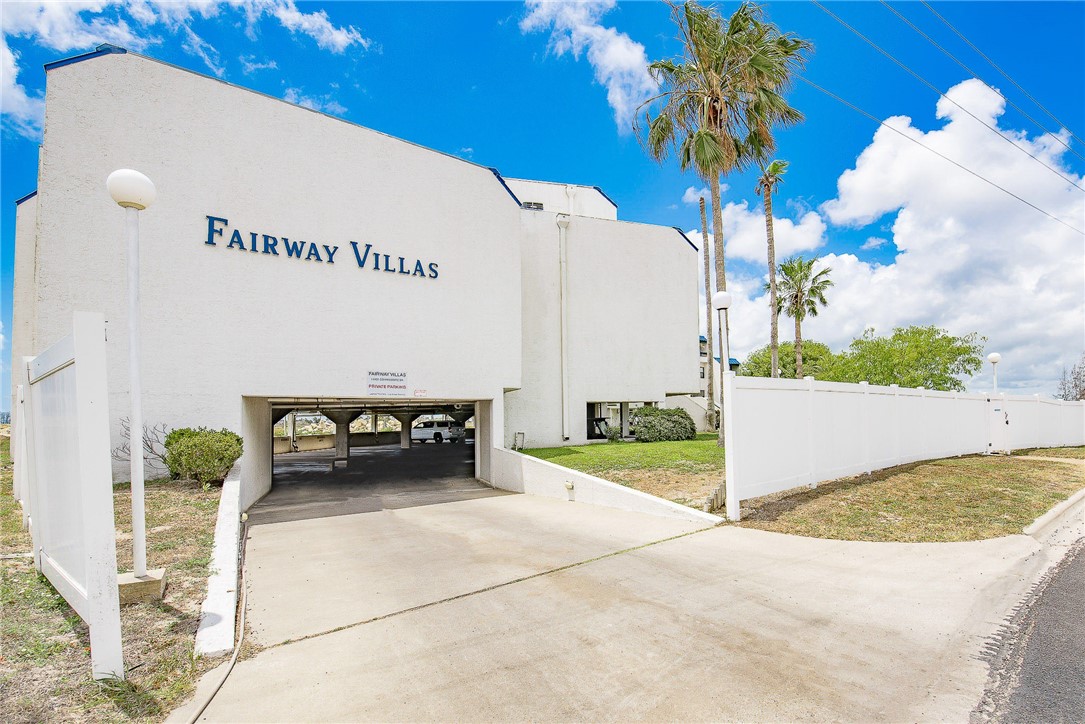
386,384
363,254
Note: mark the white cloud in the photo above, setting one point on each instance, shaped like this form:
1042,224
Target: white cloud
969,257
22,113
874,242
692,195
745,236
133,24
325,103
249,64
620,63
467,151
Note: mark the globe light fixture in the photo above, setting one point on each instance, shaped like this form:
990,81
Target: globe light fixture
131,189
994,358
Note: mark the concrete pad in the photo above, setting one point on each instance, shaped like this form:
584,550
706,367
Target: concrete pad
139,589
725,624
310,576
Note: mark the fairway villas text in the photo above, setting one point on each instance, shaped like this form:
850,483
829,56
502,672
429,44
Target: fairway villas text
280,246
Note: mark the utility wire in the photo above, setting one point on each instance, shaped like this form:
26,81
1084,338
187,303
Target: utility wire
934,88
1004,73
976,75
937,153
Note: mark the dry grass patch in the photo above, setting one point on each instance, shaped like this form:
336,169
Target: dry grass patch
44,654
957,499
1075,453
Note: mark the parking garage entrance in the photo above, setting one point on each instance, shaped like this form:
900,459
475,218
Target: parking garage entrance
340,457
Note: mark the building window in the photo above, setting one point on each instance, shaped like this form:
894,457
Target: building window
533,205
702,373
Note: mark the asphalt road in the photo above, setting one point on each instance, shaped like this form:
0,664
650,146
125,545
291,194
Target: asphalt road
1041,669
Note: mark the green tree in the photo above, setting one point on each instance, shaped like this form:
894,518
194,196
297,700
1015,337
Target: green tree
914,356
801,292
817,360
771,177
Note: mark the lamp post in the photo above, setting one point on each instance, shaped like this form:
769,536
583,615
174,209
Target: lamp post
994,358
134,192
721,302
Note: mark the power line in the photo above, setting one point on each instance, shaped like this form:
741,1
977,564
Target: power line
937,153
973,73
1004,73
935,88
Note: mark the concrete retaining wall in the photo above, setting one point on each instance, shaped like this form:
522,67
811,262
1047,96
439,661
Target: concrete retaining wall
215,635
525,474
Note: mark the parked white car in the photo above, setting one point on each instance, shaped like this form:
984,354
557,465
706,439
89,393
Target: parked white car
437,431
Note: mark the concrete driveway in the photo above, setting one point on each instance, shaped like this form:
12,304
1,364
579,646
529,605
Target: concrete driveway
521,608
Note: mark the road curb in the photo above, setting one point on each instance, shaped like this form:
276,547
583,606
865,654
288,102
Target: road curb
1054,516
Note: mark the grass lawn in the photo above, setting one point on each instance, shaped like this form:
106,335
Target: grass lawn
1077,453
956,499
44,655
685,472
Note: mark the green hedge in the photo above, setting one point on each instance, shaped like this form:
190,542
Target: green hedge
201,454
656,424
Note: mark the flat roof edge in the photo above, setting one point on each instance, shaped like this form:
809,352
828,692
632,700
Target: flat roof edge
29,196
604,195
686,239
499,177
103,49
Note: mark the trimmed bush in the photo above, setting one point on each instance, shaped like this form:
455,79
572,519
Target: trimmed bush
201,454
656,424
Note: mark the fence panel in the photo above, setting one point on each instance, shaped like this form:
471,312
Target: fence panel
68,482
785,433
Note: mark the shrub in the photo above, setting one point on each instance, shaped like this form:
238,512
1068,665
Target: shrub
655,424
201,454
614,433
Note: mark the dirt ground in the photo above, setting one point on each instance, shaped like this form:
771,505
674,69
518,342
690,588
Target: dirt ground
682,487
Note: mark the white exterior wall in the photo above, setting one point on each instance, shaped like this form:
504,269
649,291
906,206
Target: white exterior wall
630,339
271,168
565,198
24,292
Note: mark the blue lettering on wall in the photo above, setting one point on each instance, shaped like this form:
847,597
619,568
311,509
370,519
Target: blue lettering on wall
309,251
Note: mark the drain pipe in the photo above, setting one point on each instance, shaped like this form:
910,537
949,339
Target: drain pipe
563,298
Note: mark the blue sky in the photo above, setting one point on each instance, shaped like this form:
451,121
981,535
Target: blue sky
543,91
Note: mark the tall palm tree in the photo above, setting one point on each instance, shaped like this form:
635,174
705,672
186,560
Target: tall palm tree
710,417
771,177
720,100
802,291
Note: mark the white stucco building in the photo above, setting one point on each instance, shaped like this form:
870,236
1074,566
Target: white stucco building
425,282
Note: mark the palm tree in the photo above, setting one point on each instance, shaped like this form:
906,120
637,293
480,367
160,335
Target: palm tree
771,177
711,371
720,100
801,293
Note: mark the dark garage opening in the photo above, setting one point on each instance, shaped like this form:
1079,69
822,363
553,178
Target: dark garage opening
378,474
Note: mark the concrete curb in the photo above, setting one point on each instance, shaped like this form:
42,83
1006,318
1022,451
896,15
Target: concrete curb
1052,517
215,635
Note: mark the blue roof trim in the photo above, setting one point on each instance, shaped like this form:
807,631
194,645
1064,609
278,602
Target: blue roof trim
500,178
29,196
732,361
686,239
604,193
103,49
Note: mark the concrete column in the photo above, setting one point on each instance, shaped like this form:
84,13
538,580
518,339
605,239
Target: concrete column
256,427
373,424
405,422
625,418
342,420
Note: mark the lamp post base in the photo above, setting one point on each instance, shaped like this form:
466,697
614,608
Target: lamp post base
137,589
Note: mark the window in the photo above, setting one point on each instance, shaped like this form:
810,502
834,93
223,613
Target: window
702,373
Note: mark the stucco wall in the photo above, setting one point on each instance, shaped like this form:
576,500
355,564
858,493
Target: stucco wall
269,168
564,198
23,292
632,330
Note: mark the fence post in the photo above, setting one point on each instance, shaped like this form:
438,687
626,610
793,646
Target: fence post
30,464
812,481
730,480
896,423
864,417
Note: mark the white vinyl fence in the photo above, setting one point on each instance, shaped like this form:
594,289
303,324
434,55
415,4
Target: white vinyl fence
782,433
65,481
